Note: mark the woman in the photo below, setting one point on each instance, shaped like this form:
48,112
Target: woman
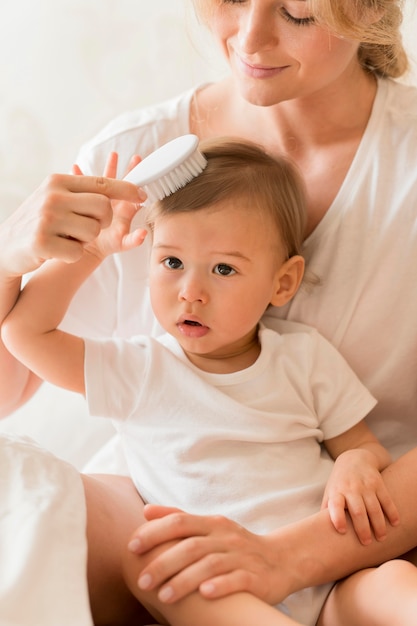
312,80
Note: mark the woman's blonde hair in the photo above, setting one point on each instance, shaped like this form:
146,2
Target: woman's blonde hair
242,170
374,23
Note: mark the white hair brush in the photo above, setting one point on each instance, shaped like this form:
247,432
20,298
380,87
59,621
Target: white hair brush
169,168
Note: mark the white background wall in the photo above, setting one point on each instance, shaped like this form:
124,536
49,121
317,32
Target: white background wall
68,66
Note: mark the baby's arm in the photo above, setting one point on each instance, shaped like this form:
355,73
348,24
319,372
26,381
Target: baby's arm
356,484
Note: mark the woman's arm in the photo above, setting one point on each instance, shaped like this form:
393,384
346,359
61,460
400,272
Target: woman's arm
30,331
17,383
56,221
219,557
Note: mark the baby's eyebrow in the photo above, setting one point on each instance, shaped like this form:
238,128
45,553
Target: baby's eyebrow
231,253
166,245
237,253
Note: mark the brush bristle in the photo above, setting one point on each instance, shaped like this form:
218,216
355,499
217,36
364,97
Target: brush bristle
176,178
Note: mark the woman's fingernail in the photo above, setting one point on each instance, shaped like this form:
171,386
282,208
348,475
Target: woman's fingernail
166,594
145,581
133,545
207,588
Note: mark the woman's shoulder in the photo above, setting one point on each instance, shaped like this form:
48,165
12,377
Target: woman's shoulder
395,127
400,102
138,131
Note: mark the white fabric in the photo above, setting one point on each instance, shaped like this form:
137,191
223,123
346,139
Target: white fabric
364,250
43,554
246,444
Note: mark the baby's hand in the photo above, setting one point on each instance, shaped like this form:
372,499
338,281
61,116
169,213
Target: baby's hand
117,237
356,485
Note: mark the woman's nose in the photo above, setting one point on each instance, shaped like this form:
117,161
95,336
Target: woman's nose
258,27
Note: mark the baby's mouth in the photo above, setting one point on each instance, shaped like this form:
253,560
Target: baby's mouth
192,328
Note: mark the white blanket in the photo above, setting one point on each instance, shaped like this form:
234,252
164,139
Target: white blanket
43,552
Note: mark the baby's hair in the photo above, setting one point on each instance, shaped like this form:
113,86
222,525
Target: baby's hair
241,170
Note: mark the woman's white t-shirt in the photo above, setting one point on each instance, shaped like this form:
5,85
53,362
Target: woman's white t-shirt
364,251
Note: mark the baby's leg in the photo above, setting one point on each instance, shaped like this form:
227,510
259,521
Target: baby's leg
380,596
240,609
114,511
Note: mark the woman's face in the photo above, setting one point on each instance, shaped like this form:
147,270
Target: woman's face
276,52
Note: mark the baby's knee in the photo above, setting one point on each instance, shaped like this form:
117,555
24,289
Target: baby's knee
391,572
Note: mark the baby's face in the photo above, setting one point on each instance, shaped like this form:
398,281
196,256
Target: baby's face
212,276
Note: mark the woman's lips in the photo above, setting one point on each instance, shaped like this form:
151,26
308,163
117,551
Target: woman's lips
259,71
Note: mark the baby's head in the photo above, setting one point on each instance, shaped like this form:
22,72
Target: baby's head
224,248
237,170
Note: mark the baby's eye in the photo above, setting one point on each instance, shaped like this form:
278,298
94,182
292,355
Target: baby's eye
173,263
223,270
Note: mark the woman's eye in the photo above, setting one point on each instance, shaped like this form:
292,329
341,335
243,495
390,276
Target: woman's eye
298,21
223,270
289,17
173,263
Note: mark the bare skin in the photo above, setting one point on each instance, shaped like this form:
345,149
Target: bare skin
239,609
319,126
63,214
319,150
220,557
379,584
321,131
114,510
249,563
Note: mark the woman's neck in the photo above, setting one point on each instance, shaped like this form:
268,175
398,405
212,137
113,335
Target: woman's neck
320,133
321,118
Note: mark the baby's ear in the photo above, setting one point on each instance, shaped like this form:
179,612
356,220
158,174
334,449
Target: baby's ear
288,279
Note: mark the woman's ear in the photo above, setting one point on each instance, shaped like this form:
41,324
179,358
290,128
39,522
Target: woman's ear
287,280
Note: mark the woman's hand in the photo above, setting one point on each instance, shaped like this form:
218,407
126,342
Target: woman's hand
214,555
116,236
63,215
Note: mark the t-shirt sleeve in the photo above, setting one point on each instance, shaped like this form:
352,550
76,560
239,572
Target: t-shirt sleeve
340,399
115,373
